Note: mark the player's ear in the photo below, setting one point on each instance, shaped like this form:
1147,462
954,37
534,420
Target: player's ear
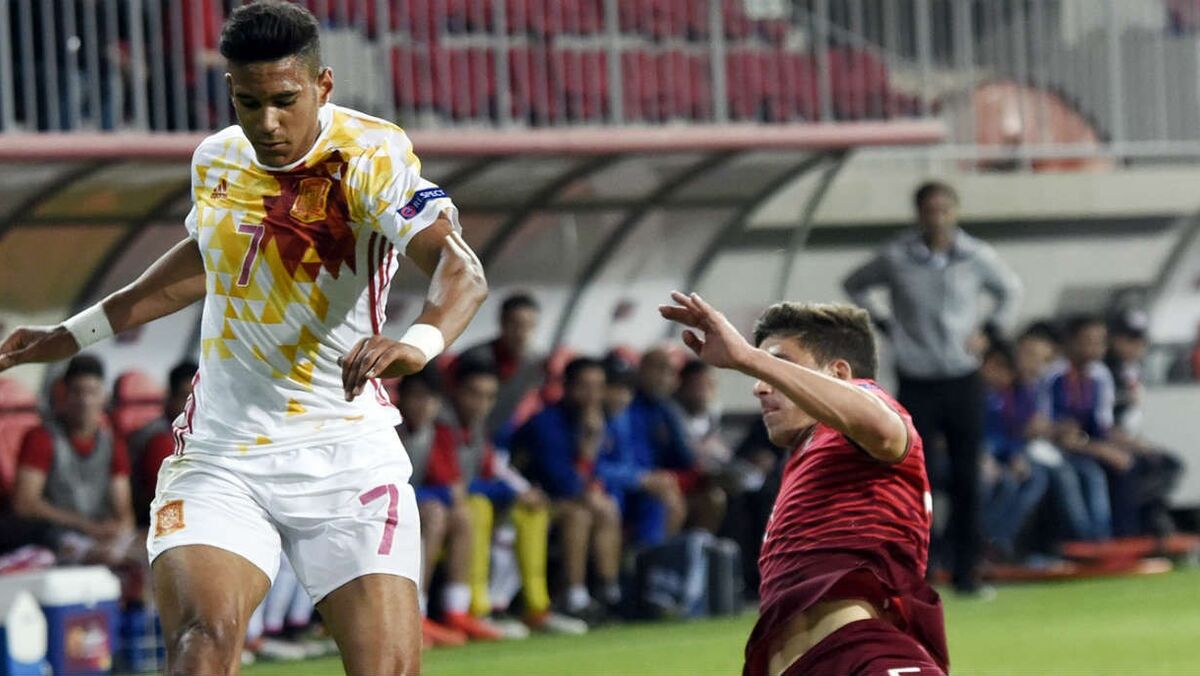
324,85
840,369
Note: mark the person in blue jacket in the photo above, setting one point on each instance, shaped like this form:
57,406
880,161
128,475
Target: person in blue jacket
557,450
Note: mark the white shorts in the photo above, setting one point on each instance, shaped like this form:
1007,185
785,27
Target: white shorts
339,511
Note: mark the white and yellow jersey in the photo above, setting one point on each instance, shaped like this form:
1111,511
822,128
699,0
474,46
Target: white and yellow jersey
298,262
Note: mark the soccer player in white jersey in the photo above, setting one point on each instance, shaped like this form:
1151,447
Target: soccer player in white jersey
299,215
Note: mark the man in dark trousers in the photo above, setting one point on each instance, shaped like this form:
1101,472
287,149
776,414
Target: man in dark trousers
935,276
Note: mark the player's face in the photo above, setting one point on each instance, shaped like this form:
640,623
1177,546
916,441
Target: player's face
276,104
785,421
938,213
475,399
84,403
586,391
517,328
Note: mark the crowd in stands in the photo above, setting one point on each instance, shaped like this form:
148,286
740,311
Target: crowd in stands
540,477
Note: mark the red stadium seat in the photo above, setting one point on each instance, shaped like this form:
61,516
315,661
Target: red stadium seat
737,24
413,78
859,81
629,13
533,94
701,78
137,400
580,78
697,18
745,84
591,16
18,414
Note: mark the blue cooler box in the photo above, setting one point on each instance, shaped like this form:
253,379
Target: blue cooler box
80,605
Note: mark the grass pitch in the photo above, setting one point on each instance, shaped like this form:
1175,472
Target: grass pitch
1143,626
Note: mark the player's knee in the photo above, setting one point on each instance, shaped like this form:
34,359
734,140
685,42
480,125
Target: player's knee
204,644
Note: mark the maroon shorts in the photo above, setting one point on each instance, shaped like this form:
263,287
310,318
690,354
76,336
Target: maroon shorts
866,648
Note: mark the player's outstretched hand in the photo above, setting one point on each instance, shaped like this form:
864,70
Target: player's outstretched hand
36,344
721,345
377,357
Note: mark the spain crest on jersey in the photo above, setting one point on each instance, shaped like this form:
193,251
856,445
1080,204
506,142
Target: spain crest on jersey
311,195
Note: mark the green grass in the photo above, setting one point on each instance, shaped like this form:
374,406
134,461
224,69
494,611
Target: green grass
1148,626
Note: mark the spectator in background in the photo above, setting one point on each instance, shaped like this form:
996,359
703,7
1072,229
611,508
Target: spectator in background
629,478
493,487
74,474
511,356
659,442
466,463
1078,399
1015,485
558,449
1037,349
696,404
445,518
935,277
1159,471
154,443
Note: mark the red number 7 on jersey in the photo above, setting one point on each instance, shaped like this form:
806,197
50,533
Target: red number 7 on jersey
256,235
393,516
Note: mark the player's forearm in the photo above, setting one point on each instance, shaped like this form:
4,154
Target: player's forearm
457,288
172,283
841,405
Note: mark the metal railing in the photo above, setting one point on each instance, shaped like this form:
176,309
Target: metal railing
1124,74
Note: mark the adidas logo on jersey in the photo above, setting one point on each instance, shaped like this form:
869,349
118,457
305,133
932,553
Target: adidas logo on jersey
221,191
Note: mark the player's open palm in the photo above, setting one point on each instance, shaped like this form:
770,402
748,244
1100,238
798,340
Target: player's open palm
714,339
36,344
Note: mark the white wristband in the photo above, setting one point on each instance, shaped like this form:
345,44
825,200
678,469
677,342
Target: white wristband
426,338
90,326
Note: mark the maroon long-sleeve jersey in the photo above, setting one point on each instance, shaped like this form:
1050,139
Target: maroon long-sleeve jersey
846,526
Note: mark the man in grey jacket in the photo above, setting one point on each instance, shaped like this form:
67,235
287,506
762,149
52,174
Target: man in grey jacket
935,277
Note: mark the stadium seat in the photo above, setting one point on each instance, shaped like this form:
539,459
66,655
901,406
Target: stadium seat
137,400
413,78
744,78
464,81
737,24
697,18
581,78
18,414
859,81
530,84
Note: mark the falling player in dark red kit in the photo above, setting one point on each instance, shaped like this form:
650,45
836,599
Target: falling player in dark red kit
843,562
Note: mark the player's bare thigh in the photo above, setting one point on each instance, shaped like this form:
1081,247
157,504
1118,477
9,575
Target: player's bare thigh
376,622
205,597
